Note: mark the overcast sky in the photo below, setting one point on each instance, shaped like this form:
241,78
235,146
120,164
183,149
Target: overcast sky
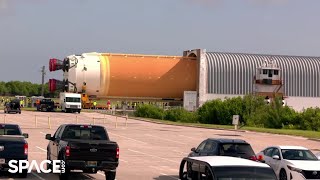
33,31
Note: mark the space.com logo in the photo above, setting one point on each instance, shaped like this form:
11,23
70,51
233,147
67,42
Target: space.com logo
58,166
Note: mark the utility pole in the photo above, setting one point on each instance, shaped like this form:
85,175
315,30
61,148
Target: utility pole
43,74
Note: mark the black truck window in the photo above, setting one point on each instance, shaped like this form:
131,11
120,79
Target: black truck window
85,133
9,130
73,99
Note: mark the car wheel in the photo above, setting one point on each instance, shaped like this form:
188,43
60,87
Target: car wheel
24,174
110,175
283,175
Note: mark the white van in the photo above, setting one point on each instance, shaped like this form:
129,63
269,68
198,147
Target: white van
70,102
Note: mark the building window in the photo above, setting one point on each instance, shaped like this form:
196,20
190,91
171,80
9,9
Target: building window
265,71
276,72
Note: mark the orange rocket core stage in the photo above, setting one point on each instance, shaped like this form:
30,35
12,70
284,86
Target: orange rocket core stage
147,76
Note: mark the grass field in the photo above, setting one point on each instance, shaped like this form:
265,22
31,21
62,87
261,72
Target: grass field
302,133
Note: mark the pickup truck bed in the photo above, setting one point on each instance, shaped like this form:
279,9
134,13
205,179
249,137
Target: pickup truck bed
13,146
88,154
84,147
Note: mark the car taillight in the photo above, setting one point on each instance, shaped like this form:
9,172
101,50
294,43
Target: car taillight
260,158
67,151
117,156
25,147
253,158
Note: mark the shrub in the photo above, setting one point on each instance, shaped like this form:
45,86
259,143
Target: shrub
149,111
180,114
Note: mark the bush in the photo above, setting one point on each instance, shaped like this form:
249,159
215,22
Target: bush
181,115
177,114
149,111
253,112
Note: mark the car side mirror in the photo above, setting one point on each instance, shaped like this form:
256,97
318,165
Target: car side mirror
48,137
193,150
276,157
26,135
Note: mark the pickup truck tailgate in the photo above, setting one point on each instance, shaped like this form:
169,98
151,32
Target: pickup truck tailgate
12,147
93,150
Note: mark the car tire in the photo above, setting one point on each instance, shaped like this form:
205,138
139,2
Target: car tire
283,175
24,174
110,175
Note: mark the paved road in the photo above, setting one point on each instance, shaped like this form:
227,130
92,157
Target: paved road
148,151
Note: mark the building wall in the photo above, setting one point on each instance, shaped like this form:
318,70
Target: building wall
233,73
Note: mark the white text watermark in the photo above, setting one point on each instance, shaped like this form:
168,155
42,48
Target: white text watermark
17,166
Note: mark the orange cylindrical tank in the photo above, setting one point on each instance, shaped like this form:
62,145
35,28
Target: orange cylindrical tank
124,75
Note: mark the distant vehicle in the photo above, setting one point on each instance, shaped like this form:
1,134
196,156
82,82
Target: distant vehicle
222,147
225,168
13,146
84,147
70,102
46,104
12,106
292,162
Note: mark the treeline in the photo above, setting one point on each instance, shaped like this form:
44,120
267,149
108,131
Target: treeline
253,111
13,88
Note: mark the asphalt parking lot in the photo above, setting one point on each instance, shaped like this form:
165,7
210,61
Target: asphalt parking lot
147,150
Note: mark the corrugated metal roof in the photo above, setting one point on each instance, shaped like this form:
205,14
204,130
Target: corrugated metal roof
233,73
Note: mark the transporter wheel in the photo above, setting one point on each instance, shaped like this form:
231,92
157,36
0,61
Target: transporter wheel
110,175
283,175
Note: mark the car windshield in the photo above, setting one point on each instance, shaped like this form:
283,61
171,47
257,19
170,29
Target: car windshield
298,154
237,150
244,173
73,99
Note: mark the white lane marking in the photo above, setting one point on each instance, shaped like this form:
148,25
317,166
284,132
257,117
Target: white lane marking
37,152
43,133
188,137
179,152
169,176
123,160
41,149
164,139
36,175
153,156
128,138
102,174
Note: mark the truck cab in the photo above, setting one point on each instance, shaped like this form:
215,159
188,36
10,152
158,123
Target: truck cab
70,102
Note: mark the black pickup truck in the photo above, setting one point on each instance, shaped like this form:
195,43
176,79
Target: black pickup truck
46,105
13,146
83,147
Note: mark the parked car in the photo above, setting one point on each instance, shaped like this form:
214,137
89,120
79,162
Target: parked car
225,168
13,146
292,162
222,147
12,106
84,147
46,105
